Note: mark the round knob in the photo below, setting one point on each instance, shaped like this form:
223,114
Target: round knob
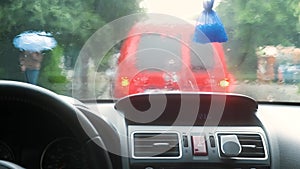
230,145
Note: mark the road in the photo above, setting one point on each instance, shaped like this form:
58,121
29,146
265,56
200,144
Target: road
261,92
269,92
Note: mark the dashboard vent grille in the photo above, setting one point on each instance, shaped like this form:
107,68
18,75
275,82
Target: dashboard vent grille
252,146
156,145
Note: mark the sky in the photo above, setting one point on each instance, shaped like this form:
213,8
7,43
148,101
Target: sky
184,9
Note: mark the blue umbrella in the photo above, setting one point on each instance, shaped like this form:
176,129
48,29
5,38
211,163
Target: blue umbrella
34,41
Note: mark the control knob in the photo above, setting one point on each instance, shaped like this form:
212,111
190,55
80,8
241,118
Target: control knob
230,145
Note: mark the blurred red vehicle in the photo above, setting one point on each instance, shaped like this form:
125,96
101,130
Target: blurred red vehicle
165,58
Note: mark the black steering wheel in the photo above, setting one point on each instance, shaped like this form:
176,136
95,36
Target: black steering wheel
9,165
76,121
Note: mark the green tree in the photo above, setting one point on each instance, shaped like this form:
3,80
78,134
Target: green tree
254,23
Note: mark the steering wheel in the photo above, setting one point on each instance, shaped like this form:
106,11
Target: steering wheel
9,165
76,121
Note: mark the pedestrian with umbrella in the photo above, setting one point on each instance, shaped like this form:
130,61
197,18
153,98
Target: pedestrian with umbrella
31,45
30,63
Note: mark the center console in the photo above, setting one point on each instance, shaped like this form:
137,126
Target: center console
194,131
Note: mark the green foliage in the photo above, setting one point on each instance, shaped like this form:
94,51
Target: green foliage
254,23
52,72
114,9
52,64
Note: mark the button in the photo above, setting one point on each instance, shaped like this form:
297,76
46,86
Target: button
199,146
185,141
212,141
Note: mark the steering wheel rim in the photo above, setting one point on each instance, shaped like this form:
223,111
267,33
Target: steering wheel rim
75,120
9,165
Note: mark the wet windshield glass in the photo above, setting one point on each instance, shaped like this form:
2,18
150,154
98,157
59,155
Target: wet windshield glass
84,53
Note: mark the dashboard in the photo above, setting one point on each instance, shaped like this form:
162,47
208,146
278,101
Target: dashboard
147,131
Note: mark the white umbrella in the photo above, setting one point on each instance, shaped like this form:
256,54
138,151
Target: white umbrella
270,51
34,41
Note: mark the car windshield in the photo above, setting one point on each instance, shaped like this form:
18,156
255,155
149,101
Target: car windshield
105,50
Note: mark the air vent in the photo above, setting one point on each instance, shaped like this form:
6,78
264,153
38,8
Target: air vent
252,146
156,145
